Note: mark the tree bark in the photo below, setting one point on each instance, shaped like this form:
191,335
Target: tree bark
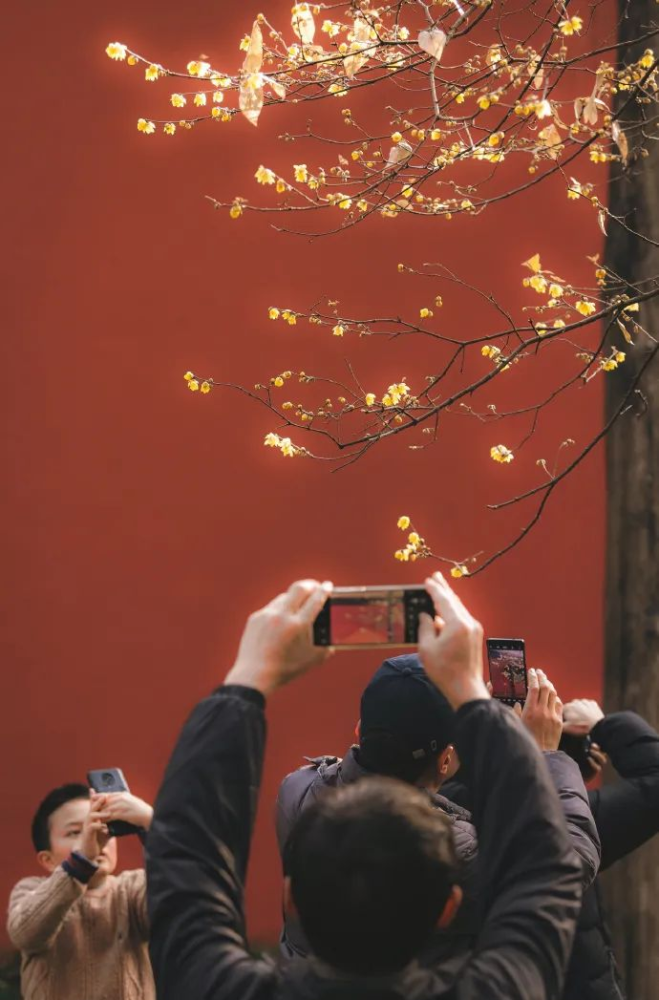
632,464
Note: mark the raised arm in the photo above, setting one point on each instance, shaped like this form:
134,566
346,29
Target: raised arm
198,845
626,812
531,878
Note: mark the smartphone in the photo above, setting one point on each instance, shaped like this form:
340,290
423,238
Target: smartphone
371,617
111,779
507,663
577,748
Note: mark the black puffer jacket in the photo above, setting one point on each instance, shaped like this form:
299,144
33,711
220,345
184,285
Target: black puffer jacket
627,815
302,787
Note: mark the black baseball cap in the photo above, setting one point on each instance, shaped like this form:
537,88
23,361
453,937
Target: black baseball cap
405,719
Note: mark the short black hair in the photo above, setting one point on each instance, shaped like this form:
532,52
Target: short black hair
58,797
371,865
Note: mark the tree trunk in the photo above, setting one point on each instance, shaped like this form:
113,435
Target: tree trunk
632,586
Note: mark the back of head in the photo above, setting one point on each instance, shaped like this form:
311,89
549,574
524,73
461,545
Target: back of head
56,798
371,867
405,720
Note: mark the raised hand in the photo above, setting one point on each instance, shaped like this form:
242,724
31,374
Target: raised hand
127,807
277,643
580,716
451,646
95,833
543,711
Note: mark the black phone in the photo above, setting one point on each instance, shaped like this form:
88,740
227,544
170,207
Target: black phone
371,617
111,779
577,747
507,662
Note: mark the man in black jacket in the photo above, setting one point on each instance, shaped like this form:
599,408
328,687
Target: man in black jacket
405,730
627,815
199,841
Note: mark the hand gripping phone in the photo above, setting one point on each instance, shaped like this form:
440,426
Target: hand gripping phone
372,617
507,663
111,779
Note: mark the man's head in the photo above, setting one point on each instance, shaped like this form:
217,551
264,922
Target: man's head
406,724
372,868
57,829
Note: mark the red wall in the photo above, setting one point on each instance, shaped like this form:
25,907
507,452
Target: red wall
144,523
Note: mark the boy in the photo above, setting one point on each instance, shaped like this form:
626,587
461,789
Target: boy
82,931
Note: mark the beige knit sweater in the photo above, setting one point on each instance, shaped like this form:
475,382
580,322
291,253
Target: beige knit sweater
79,943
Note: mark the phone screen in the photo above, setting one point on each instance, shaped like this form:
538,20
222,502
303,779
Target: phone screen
363,617
507,661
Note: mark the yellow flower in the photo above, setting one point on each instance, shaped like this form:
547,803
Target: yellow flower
145,126
178,100
645,61
218,97
402,555
538,283
244,43
555,290
600,273
205,387
132,60
197,68
632,308
387,400
271,440
193,385
301,173
236,210
609,365
559,324
403,523
495,139
435,135
458,571
425,312
585,308
413,538
280,187
188,376
273,312
265,176
199,100
369,398
362,205
483,103
620,356
219,113
287,405
490,351
499,453
291,319
115,50
338,330
169,128
345,203
396,137
152,72
571,25
278,381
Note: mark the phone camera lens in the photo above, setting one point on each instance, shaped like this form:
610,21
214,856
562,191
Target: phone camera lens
106,778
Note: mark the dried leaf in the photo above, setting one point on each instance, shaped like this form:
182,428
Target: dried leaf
533,263
343,161
601,221
398,153
254,56
625,332
433,42
251,97
279,88
361,39
551,139
620,140
303,23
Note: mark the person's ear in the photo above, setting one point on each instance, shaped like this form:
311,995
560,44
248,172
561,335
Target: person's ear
444,762
290,909
46,861
358,730
451,907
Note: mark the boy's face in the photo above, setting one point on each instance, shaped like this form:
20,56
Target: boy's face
66,835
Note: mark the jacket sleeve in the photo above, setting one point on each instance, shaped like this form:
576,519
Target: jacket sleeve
627,812
530,875
197,852
292,792
37,908
135,888
567,780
